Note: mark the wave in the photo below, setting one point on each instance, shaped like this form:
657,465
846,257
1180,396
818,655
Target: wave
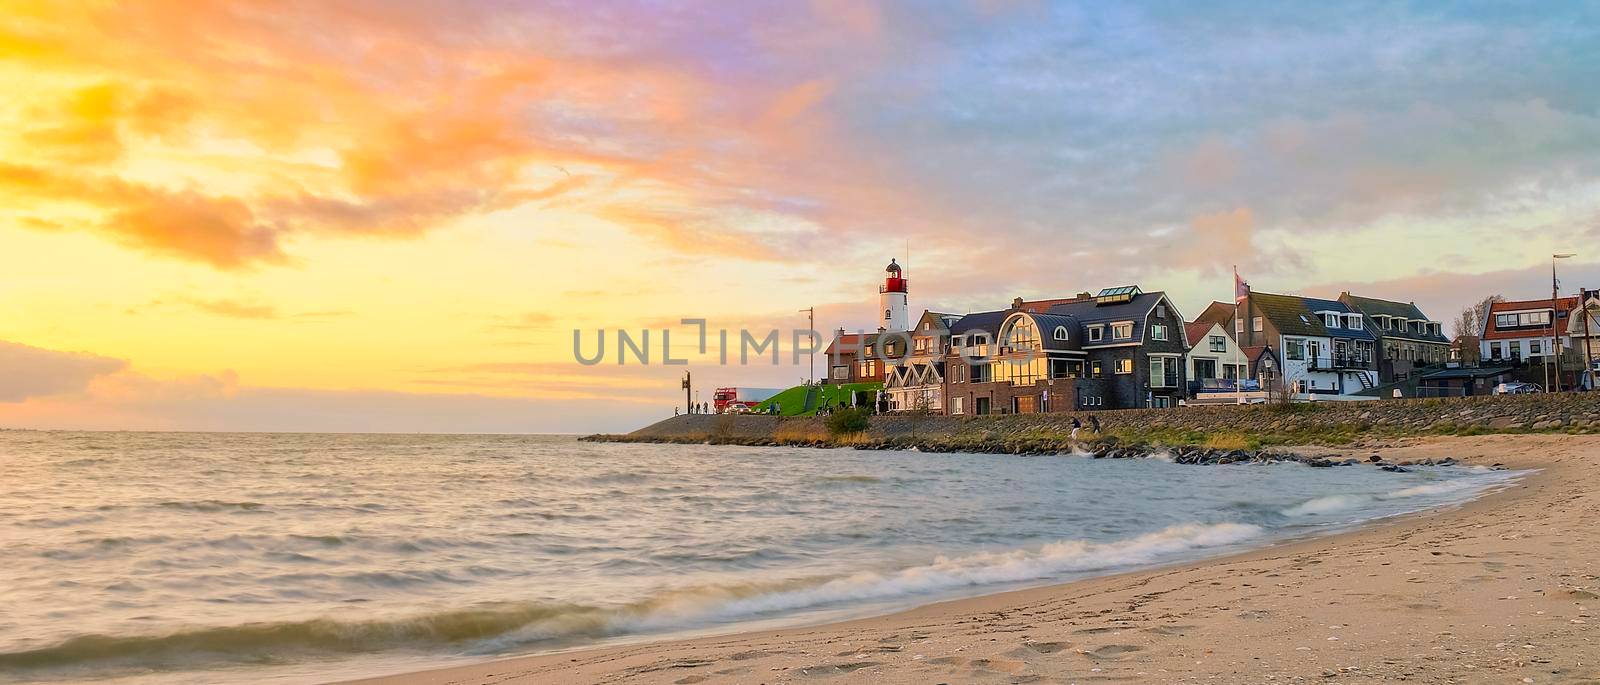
212,505
493,627
850,479
1329,504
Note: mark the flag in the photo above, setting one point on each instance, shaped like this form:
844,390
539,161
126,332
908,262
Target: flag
1241,289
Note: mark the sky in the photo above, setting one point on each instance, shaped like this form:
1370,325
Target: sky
392,216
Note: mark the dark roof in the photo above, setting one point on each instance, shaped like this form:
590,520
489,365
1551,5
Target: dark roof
1373,307
988,322
1254,352
1047,326
892,267
1485,372
1295,315
1089,312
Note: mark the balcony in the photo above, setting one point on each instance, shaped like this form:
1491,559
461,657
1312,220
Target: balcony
1338,362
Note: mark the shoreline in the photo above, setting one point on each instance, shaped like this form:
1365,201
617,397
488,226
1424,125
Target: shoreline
1424,596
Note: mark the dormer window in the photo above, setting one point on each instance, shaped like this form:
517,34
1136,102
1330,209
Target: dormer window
1096,333
1061,333
1122,330
1353,321
1330,320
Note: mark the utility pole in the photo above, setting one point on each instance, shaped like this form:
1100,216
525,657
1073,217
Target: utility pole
811,317
1588,356
1555,309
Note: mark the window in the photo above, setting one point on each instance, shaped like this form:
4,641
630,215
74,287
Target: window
1294,350
1124,365
981,373
1256,324
1238,326
1163,372
1161,311
1352,321
1065,368
957,406
1206,368
869,351
1096,333
1122,330
1158,331
1330,320
1494,350
841,373
1219,343
886,315
1161,402
1061,333
1535,347
1096,370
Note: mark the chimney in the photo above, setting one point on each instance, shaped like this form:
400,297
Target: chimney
1084,296
1016,303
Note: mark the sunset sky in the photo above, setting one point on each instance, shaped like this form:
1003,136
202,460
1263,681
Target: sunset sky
391,216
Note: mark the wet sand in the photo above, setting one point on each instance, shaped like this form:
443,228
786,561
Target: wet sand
1501,590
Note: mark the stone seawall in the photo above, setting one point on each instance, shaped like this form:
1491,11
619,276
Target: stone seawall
1222,427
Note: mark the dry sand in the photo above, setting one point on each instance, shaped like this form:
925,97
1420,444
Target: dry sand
1501,590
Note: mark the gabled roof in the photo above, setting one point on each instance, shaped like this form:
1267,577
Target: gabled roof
1254,352
1373,307
1295,315
1492,332
856,341
1195,330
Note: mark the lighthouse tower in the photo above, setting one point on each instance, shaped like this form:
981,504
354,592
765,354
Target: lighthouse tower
892,300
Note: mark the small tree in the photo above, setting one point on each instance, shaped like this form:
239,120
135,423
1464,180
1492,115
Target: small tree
848,420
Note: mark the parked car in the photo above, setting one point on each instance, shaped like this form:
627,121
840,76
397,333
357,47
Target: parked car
1517,388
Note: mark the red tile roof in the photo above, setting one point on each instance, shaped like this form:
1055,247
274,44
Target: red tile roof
1566,304
1197,330
1043,306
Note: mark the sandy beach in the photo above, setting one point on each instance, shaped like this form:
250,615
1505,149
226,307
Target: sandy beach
1501,590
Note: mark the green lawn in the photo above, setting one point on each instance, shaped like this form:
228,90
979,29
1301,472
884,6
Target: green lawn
792,402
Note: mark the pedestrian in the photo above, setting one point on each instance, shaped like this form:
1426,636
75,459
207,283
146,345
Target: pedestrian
1094,423
1076,424
674,411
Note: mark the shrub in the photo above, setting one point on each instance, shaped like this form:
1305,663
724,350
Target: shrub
847,421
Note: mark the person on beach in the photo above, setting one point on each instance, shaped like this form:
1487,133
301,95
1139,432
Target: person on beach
1094,423
1076,424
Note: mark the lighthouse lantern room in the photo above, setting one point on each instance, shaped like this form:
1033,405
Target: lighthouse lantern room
892,300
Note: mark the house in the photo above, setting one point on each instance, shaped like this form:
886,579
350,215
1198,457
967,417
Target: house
1463,382
1584,333
1520,331
1122,348
1321,347
916,383
857,357
1407,339
1214,361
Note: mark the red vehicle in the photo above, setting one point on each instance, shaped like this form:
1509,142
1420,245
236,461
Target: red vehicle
739,400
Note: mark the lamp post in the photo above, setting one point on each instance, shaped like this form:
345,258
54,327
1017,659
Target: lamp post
1555,308
811,316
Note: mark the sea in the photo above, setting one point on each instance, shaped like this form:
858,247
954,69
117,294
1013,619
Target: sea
288,558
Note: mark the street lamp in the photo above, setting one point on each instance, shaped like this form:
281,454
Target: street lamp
1555,308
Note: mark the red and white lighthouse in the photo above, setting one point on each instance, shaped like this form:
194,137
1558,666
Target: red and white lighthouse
892,300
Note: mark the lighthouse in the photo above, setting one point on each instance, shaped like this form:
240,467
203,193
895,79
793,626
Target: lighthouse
892,300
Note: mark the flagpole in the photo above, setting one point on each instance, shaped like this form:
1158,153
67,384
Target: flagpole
1238,343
